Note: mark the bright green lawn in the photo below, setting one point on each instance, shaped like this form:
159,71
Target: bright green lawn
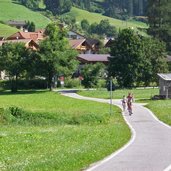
118,94
95,17
7,30
14,11
57,133
162,109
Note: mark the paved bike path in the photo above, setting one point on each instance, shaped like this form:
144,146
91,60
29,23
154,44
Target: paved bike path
149,149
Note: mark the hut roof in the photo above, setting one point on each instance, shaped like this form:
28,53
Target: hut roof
166,77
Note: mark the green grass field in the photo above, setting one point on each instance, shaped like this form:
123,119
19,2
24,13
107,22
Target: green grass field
95,17
53,132
162,109
118,94
13,11
6,30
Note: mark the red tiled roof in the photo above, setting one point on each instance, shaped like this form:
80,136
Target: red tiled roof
94,57
27,35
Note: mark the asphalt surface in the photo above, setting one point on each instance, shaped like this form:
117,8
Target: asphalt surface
149,148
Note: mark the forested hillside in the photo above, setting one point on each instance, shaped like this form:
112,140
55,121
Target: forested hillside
114,8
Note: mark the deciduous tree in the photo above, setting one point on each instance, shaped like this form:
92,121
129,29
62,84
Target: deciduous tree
56,54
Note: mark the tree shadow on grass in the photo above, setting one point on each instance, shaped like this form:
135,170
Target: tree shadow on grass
22,92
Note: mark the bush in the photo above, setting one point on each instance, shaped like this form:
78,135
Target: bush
25,84
101,83
72,83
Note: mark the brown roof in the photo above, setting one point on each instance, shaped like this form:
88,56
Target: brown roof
92,42
94,57
27,35
74,43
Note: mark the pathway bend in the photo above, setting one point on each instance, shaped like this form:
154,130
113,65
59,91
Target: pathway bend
150,148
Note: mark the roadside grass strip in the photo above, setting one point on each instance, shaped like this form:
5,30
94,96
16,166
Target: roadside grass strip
62,134
144,93
162,109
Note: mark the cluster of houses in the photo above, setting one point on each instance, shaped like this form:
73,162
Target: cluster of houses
88,50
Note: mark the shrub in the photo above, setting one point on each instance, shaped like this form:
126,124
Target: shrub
71,83
25,84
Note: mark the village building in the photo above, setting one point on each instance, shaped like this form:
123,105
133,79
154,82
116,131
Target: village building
81,46
36,36
108,42
75,35
18,24
93,58
85,46
29,43
165,85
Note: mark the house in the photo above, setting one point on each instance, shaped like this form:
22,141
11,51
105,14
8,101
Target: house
36,36
18,24
93,58
80,45
94,44
29,43
108,42
165,85
75,35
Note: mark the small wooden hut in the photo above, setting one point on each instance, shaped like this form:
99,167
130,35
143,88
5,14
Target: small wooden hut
165,85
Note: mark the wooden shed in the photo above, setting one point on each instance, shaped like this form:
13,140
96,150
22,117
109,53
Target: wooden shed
165,85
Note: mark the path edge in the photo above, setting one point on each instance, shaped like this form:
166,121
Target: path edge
133,136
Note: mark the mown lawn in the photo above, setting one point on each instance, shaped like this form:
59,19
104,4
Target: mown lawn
118,94
162,109
9,10
42,130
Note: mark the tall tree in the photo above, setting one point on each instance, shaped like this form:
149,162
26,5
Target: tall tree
56,54
13,58
159,16
136,59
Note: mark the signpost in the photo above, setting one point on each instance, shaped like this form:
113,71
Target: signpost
111,94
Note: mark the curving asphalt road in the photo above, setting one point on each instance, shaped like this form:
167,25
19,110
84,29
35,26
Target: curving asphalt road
149,148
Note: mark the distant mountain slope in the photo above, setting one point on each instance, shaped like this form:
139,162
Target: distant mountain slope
80,14
6,30
13,11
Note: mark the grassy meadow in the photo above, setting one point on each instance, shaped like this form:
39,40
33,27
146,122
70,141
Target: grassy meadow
6,30
162,109
80,14
10,10
42,130
143,93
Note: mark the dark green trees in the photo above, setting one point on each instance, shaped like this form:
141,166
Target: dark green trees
136,60
58,6
159,15
13,61
33,4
